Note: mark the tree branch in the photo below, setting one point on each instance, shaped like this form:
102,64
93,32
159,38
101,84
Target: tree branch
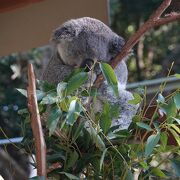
153,21
40,145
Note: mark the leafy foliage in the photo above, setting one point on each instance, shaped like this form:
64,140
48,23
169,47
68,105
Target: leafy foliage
82,144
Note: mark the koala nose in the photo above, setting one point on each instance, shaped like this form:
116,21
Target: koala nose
87,64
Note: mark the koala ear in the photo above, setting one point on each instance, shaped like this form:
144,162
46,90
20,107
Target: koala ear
67,31
116,45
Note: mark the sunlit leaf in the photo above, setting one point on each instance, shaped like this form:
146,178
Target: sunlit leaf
60,89
176,136
53,119
22,91
157,172
144,126
151,143
76,81
161,98
110,77
51,98
177,76
169,109
137,99
73,112
175,127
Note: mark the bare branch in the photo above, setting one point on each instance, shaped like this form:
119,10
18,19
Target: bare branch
157,14
152,22
36,123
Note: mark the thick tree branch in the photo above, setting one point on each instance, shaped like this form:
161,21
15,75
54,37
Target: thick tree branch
36,123
153,21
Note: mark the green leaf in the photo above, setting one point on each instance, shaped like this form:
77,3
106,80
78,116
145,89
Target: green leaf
102,158
39,94
177,120
53,119
144,126
176,136
137,99
45,86
61,89
161,98
96,138
177,76
73,157
70,176
176,166
22,91
77,132
151,143
76,81
73,112
105,120
163,138
175,128
169,109
51,98
110,77
177,100
157,172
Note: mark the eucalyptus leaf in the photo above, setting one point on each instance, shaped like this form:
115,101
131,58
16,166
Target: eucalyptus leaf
161,98
169,109
156,171
72,158
53,119
73,112
137,99
50,98
22,91
164,139
177,76
105,119
151,143
144,126
76,81
110,77
102,158
61,89
129,175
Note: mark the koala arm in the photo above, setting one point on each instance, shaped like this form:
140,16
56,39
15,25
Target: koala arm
56,71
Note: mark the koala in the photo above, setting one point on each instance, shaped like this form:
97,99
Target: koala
81,42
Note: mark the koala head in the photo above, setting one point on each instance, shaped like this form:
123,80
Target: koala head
81,41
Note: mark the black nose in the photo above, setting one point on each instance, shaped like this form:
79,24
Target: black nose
87,64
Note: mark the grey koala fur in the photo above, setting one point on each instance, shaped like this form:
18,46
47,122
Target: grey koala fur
75,43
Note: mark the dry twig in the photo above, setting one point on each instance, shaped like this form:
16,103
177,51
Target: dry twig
155,20
36,123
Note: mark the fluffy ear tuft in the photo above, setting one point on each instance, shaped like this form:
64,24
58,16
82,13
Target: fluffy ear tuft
63,33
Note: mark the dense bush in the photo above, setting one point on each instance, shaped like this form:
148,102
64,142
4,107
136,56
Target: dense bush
82,144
